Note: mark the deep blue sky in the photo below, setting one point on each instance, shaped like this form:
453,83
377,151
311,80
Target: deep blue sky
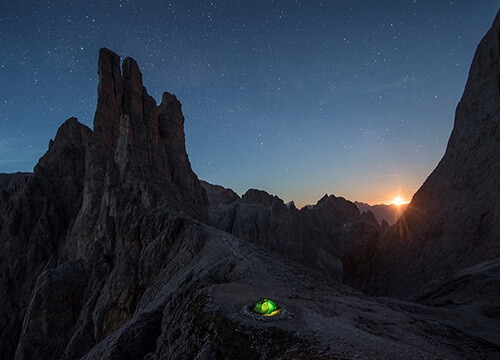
299,98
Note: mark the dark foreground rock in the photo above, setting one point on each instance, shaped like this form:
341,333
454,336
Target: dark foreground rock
198,306
452,222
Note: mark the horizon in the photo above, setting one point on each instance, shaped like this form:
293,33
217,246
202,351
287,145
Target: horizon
299,100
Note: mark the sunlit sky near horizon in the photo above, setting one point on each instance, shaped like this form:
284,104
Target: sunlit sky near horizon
298,98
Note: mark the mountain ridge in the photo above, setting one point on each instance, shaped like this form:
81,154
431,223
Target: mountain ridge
383,212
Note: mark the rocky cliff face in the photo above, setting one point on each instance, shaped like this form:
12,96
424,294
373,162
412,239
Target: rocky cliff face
314,237
36,211
67,228
452,221
137,149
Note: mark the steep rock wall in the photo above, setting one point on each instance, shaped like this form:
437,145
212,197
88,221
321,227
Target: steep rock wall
452,221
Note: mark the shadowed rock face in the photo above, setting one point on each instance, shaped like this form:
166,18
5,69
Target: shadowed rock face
137,159
66,155
67,228
218,195
36,211
136,141
452,221
315,237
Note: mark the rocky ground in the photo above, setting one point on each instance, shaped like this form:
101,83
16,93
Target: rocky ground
200,304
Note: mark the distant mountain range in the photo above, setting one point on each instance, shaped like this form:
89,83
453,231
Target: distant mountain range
389,213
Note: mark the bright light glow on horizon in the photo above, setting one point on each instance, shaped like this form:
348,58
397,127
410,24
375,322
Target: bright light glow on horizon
398,201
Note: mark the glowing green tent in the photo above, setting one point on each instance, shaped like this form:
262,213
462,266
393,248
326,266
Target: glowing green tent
266,307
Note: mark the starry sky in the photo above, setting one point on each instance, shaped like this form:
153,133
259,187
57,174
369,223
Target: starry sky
298,98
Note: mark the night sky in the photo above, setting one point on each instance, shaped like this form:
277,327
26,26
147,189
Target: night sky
298,98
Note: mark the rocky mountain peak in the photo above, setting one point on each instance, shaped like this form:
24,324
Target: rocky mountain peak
66,154
260,197
219,195
132,164
95,201
136,140
343,210
109,98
